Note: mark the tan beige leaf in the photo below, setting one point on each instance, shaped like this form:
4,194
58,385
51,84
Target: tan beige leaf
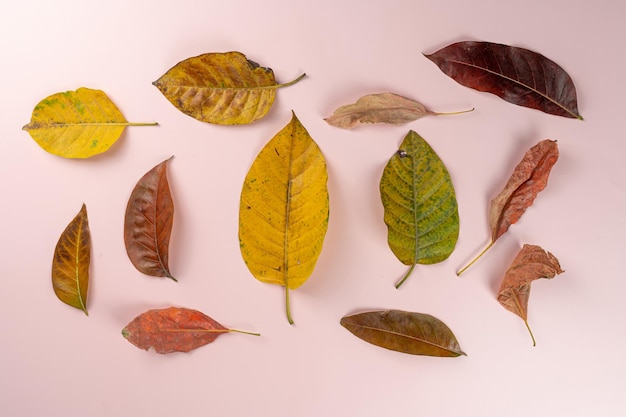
387,108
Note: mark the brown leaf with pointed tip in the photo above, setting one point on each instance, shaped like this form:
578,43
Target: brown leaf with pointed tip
516,75
148,223
387,108
174,329
70,266
529,178
531,263
404,331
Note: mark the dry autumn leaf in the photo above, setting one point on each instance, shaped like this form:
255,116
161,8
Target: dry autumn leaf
148,223
387,108
514,74
174,329
77,124
529,178
283,213
403,331
70,265
420,208
531,263
222,88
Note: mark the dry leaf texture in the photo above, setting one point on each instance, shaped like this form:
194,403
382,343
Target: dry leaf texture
148,223
70,266
517,75
403,331
529,177
172,329
378,108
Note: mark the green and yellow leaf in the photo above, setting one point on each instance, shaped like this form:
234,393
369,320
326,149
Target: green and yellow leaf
284,208
420,208
221,88
77,124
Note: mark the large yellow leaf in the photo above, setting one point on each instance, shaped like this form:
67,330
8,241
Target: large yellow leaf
283,213
77,124
221,88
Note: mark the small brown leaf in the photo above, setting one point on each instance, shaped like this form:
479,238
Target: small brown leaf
148,223
387,108
403,331
174,329
529,178
70,266
531,263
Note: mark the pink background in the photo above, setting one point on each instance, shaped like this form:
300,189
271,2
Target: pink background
56,361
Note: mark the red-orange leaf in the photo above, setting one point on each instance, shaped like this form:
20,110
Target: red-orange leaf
174,329
531,263
148,223
529,178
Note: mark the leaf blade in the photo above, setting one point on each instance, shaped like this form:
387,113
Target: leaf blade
516,75
531,263
419,202
77,124
70,265
406,332
221,88
148,223
528,179
284,208
172,329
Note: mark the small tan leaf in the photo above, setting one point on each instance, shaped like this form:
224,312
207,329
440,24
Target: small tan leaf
221,88
70,266
387,108
531,263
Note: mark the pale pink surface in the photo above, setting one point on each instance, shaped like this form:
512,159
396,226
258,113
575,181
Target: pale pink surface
56,361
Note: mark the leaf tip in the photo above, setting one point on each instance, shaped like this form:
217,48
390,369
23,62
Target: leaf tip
125,333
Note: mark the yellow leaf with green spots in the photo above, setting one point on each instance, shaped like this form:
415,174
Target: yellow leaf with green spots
283,213
77,124
420,208
221,88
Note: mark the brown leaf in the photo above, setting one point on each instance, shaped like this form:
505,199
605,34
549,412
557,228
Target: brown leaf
404,331
529,178
148,223
531,263
70,266
387,108
174,329
514,74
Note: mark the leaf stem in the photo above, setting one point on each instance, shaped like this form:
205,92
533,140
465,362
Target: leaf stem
244,332
292,82
524,317
475,259
454,112
287,305
404,278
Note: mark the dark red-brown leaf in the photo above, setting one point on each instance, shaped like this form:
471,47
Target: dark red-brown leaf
173,329
531,263
148,223
514,74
